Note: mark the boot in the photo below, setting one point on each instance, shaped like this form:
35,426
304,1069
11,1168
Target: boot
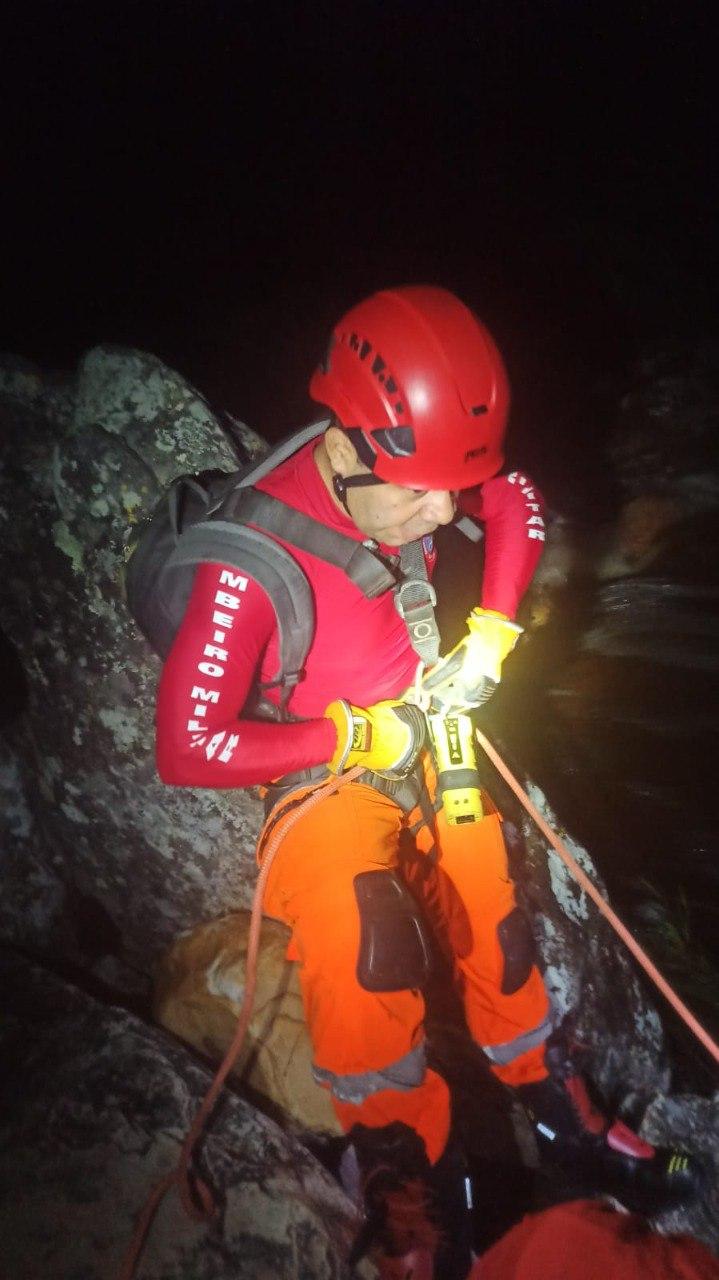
417,1215
606,1156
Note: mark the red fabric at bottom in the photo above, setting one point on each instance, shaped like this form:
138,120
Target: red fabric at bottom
587,1240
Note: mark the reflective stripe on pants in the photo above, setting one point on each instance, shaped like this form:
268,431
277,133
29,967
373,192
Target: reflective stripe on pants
408,1073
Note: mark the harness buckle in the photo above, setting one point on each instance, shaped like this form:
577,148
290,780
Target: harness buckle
414,600
426,596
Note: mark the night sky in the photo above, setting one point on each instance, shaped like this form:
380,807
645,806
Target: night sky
217,182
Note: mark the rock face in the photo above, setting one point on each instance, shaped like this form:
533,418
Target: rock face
613,711
105,864
97,1107
665,441
622,687
686,1119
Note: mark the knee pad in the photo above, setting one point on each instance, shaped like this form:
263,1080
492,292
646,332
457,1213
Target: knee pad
395,951
517,942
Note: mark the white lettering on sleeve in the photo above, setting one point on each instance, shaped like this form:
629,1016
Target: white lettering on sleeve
193,725
226,754
236,580
211,669
205,695
224,598
215,741
221,619
211,651
535,523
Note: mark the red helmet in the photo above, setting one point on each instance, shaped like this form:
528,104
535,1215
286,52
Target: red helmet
417,381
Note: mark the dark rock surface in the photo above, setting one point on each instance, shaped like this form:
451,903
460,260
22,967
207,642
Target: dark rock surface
620,691
96,1106
103,862
666,438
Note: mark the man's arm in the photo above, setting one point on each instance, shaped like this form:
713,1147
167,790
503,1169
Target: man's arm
512,511
202,741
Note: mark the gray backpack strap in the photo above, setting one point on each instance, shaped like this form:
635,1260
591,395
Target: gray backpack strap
469,528
262,558
415,599
367,570
284,450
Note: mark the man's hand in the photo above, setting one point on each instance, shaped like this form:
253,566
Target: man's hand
386,738
470,673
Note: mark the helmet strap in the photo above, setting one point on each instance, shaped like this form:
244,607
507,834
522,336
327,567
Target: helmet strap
341,484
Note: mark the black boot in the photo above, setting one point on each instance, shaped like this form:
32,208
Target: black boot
606,1156
418,1222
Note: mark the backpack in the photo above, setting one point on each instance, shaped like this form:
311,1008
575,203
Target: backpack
206,518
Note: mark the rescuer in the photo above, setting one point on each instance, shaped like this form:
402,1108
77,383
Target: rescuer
417,398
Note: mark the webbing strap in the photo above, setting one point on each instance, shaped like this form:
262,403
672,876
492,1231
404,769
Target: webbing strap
365,568
415,599
469,528
284,787
282,451
372,573
259,556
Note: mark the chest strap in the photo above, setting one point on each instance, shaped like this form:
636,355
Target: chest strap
414,599
370,572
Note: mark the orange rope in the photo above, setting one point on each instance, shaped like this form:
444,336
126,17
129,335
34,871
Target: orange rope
591,889
196,1196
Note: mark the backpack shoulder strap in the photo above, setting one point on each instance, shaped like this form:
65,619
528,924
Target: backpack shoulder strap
281,452
469,527
262,558
367,570
243,503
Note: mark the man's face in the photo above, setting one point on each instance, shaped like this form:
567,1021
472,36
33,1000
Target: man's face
395,515
389,513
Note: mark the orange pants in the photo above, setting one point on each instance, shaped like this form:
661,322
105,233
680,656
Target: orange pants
368,1046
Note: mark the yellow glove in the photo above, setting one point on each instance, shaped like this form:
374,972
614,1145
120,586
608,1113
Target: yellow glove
386,738
470,673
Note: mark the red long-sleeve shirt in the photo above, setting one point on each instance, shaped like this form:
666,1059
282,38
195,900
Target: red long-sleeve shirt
360,650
